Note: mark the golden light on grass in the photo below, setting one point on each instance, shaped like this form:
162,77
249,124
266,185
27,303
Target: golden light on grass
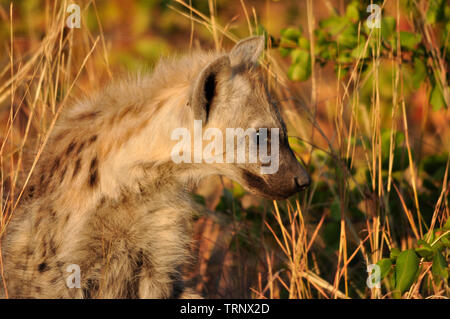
38,82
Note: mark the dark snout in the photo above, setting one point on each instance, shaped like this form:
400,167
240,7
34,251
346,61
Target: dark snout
298,174
290,178
292,172
302,181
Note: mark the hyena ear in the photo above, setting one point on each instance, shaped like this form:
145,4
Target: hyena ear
247,51
205,87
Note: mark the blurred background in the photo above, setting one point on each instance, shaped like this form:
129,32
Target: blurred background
366,110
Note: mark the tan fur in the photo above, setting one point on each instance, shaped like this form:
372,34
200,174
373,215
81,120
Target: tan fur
106,195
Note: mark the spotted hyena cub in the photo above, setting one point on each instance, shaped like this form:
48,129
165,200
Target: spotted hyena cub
107,213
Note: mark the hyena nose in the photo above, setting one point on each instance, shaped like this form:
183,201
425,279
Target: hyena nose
302,182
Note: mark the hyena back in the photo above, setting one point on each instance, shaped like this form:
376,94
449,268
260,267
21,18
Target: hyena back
106,195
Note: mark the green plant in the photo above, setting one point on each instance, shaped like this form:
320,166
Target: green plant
349,43
402,267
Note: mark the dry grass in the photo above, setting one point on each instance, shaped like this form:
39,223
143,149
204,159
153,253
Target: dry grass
286,254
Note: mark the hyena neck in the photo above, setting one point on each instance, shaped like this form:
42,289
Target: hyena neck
119,140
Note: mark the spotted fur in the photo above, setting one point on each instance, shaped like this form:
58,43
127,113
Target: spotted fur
106,195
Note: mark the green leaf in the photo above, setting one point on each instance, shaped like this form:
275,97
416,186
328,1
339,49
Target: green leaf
285,51
329,52
391,279
424,249
409,40
436,98
387,27
348,38
334,24
300,56
447,224
291,34
439,268
300,70
344,57
385,267
359,51
394,253
303,43
335,209
406,269
331,233
297,73
435,11
431,235
352,11
445,242
420,72
321,36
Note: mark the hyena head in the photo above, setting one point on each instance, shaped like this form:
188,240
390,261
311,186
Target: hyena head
230,96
